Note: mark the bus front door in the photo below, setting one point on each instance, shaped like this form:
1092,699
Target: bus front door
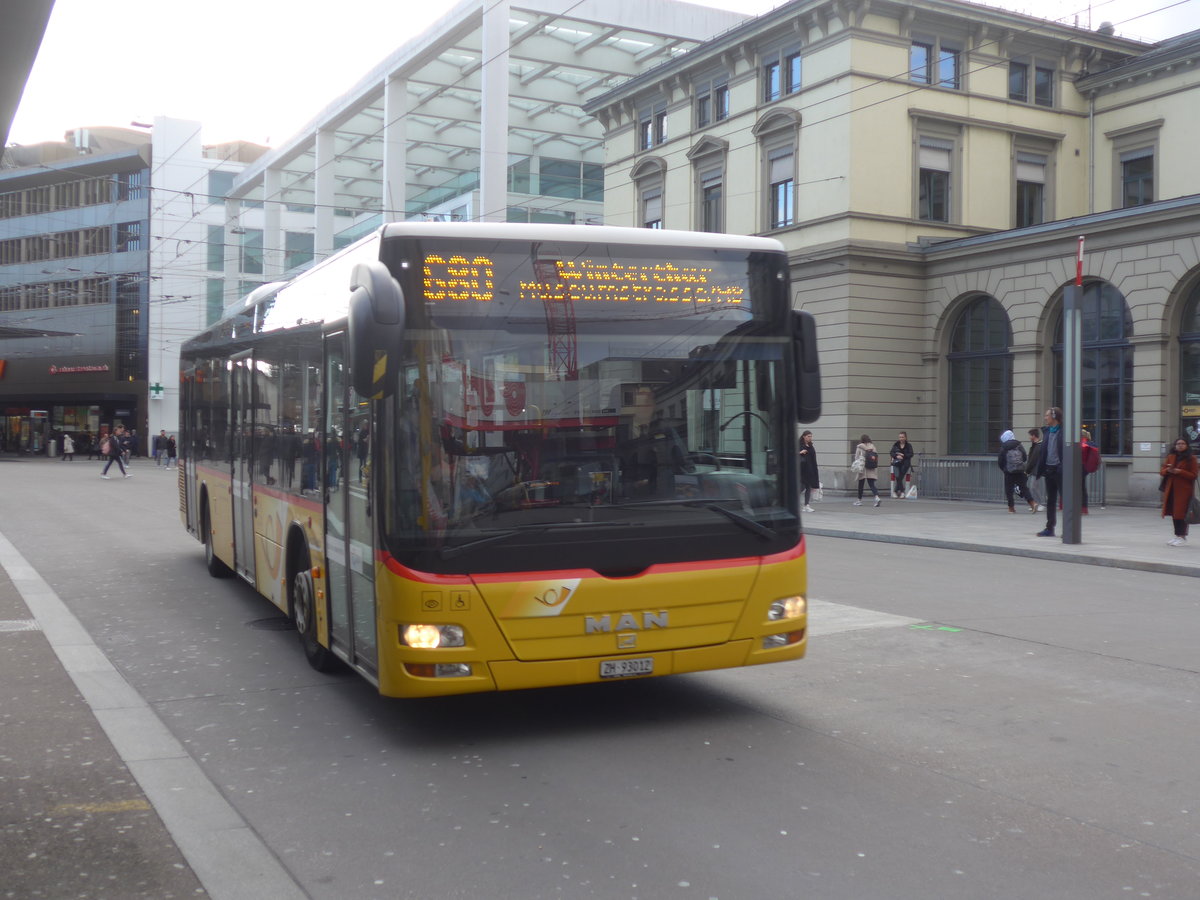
242,411
349,531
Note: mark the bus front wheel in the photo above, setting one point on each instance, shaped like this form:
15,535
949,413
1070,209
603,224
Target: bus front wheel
304,615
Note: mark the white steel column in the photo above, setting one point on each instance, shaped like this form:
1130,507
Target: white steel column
493,138
394,186
273,238
323,193
233,251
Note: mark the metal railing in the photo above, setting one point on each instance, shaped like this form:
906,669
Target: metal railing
973,478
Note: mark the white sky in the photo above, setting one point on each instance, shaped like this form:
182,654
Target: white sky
259,71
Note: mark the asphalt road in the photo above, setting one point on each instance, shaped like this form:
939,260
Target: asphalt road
966,726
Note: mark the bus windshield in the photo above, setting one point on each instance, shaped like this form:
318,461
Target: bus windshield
588,405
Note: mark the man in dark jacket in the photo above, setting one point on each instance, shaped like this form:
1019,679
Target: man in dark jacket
902,454
1049,467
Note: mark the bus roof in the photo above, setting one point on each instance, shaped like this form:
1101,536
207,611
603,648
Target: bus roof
582,233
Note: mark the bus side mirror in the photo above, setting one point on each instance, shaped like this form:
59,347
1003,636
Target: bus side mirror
376,325
808,370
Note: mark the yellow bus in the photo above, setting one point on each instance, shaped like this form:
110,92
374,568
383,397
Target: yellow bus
478,457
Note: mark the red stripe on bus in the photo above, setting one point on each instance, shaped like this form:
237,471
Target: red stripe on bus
226,478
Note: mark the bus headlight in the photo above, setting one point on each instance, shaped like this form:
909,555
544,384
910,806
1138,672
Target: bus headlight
429,637
787,608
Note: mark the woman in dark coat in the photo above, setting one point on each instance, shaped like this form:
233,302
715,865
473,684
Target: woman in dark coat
810,478
1179,481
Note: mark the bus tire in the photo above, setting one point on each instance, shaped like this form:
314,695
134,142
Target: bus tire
302,601
212,562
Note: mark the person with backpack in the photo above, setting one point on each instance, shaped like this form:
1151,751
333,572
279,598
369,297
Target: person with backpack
1091,462
110,447
866,467
1012,460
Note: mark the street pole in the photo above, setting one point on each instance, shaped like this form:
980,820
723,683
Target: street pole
1072,471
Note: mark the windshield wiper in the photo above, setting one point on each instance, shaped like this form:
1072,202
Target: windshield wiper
538,528
735,517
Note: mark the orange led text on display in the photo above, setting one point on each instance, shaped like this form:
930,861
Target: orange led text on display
616,282
458,278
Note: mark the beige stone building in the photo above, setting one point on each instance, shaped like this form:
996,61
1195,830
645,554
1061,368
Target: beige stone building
930,166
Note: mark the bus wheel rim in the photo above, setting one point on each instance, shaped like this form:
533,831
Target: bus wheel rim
303,605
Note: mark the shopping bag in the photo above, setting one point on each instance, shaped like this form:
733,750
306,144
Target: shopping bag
818,493
911,493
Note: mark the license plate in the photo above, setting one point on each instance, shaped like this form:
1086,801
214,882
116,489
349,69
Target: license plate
624,668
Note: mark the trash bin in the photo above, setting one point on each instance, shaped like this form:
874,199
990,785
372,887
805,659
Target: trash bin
52,448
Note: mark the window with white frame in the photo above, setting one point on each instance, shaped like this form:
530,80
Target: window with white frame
650,201
1031,188
1137,177
781,71
935,61
1135,157
1032,80
781,187
935,171
711,200
652,126
1043,85
712,100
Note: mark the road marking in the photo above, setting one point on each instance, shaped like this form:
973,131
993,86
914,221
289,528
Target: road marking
70,809
825,617
19,625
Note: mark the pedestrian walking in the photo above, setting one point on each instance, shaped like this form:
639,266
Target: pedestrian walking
1036,491
68,453
110,447
901,454
810,477
866,465
172,462
1012,461
1050,466
1178,487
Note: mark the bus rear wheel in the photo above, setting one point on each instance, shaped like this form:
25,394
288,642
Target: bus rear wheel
212,562
304,616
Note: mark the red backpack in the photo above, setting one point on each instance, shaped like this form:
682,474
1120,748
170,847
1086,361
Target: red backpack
1091,458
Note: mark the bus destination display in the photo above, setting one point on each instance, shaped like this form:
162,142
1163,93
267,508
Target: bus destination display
450,278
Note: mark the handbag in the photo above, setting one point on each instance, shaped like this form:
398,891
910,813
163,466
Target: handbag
858,466
1193,511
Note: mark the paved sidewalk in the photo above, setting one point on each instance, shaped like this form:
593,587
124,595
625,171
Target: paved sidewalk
75,822
1119,536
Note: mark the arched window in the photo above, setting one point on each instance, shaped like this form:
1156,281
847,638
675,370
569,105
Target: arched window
1106,368
980,377
648,178
1189,368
